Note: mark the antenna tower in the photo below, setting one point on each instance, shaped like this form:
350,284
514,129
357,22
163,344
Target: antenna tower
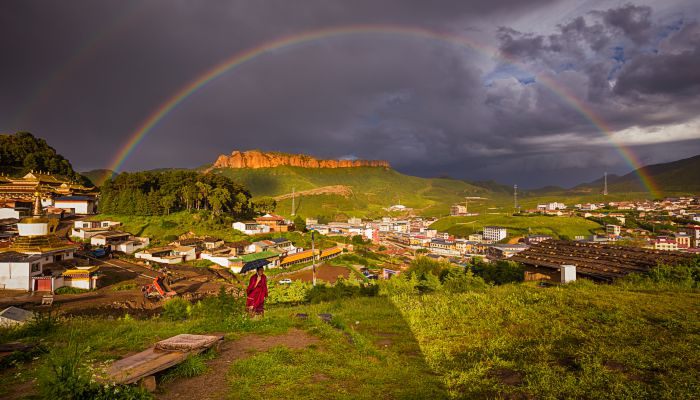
515,198
293,201
605,185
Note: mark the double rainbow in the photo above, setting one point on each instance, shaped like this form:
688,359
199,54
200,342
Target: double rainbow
310,36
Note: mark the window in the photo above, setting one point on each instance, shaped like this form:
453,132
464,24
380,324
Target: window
35,267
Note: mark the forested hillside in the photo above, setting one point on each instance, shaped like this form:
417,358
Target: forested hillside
160,193
22,152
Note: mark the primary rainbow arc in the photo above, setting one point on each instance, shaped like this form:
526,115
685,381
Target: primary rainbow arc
241,58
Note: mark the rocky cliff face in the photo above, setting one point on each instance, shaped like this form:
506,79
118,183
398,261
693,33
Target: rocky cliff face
259,159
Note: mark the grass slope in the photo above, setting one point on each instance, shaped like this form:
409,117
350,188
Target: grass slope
513,341
158,228
373,189
518,225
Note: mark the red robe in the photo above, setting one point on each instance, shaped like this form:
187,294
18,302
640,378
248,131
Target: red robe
257,293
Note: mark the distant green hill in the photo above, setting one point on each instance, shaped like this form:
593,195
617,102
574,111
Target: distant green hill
98,176
360,191
682,176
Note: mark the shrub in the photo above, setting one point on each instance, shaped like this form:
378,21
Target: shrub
70,290
124,286
403,284
457,281
666,276
176,309
293,293
169,238
499,272
65,375
423,266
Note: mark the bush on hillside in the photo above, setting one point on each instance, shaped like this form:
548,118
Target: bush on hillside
666,276
423,266
499,272
293,293
341,289
399,285
176,309
461,281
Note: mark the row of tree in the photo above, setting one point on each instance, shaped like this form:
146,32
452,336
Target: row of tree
160,193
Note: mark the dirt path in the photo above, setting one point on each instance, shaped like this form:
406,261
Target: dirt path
340,190
213,384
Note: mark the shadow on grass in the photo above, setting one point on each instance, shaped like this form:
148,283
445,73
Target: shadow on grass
367,351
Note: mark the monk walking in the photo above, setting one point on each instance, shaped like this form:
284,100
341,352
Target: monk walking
257,291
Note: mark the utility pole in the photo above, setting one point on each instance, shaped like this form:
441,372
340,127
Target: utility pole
313,259
605,186
293,201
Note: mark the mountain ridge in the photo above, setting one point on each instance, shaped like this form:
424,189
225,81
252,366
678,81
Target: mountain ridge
259,159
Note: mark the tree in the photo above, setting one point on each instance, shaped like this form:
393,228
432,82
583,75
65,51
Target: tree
167,202
264,205
299,224
203,191
188,193
219,199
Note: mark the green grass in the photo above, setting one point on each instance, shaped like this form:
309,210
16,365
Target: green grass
513,341
373,190
518,225
166,228
575,342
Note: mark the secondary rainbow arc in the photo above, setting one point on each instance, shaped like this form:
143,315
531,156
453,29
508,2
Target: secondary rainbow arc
244,57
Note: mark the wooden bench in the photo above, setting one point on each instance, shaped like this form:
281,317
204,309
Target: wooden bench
47,300
167,353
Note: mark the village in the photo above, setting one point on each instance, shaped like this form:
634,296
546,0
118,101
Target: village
53,238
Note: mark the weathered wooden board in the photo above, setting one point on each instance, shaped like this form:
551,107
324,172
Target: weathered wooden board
153,360
148,362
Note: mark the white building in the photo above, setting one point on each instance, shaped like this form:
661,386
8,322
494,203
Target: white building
168,254
251,227
551,206
120,241
77,204
17,269
494,233
614,230
8,212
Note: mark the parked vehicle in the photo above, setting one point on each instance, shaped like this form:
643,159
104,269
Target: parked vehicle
285,281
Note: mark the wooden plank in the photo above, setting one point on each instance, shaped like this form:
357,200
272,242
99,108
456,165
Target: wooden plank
148,362
152,360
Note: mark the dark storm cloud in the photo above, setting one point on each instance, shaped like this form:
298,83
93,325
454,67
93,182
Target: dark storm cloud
429,107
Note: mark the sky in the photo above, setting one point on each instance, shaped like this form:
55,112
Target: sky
85,74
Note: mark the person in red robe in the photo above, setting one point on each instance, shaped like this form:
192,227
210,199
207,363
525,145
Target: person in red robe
257,291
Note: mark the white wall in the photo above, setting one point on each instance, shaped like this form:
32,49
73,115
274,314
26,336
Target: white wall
15,275
80,207
33,229
7,212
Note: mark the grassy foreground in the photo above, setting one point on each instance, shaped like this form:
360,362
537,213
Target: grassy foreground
510,341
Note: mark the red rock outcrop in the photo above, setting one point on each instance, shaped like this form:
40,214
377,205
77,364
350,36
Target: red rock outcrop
259,159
